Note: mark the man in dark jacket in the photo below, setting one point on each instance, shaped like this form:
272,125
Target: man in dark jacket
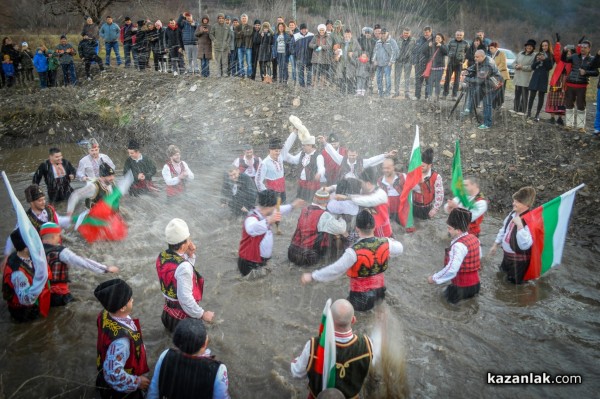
423,53
577,83
174,47
243,37
483,79
238,192
406,47
255,46
87,52
188,35
204,46
58,174
127,33
457,52
303,54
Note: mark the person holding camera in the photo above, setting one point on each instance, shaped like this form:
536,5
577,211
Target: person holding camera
538,85
577,82
482,80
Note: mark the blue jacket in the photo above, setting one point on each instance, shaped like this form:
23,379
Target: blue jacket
9,69
40,62
188,31
300,49
110,33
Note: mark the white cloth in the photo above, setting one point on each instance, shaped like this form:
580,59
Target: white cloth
346,207
89,167
479,207
72,259
524,238
347,260
329,224
457,254
179,167
256,227
63,221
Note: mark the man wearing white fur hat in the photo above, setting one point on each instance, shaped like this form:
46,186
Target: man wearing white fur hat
311,165
180,283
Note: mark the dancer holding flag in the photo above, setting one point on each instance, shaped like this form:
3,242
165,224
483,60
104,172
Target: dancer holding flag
25,279
413,177
515,237
343,365
547,226
467,195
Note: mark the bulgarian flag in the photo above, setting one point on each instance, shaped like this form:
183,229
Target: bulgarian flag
103,222
458,189
548,226
325,359
413,177
36,251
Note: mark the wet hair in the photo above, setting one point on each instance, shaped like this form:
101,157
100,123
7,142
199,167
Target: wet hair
368,175
348,186
53,150
267,198
365,220
427,156
189,335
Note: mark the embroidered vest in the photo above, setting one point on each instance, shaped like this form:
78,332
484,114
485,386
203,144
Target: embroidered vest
372,255
101,192
13,264
345,167
166,264
110,330
475,226
306,235
177,188
243,165
468,274
37,223
427,194
249,245
60,270
398,184
352,362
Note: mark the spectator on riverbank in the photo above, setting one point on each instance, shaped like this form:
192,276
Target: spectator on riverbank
110,32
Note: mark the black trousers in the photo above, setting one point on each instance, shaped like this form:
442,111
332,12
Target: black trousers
515,270
455,69
454,294
245,266
363,301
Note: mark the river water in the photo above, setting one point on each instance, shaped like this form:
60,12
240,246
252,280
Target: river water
549,326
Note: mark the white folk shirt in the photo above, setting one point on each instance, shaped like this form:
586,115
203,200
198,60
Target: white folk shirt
271,169
184,274
457,254
250,171
255,227
178,167
305,161
479,207
86,192
89,167
524,238
367,162
390,189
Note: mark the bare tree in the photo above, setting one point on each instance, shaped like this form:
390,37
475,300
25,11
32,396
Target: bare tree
92,8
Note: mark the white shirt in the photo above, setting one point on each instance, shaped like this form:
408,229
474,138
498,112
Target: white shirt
184,274
524,238
479,207
295,160
329,224
179,167
88,191
457,254
367,162
89,167
347,260
250,171
389,187
346,207
271,169
377,197
255,227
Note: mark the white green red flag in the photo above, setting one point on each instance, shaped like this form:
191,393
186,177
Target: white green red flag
413,177
548,225
325,361
36,251
458,188
103,222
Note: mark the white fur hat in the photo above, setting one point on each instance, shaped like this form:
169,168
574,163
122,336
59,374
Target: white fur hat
177,231
303,133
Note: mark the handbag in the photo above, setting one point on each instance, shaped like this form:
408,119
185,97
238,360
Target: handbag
427,71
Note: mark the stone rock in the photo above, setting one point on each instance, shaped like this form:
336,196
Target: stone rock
296,102
51,131
337,117
447,153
